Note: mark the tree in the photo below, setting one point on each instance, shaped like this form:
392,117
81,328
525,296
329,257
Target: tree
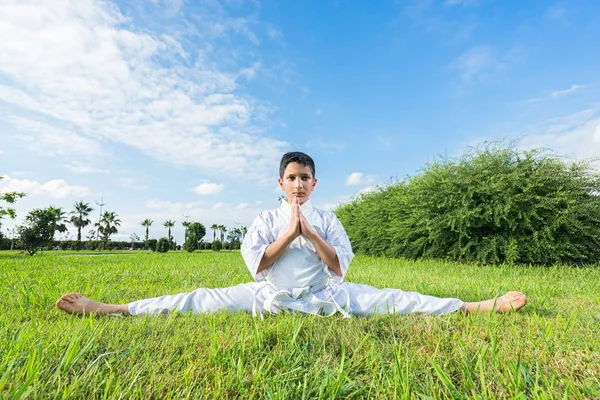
60,219
134,239
108,225
162,246
38,230
169,224
194,232
223,229
244,231
494,204
234,238
79,217
214,228
10,198
147,223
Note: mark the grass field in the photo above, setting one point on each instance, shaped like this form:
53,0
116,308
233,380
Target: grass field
551,349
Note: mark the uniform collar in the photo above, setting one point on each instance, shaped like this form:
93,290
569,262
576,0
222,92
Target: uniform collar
286,207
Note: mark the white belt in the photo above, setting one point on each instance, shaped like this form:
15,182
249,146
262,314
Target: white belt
303,300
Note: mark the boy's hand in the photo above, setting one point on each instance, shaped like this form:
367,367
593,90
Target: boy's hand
295,230
306,229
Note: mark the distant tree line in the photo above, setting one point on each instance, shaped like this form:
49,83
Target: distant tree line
40,226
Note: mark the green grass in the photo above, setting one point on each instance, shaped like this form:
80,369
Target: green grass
549,350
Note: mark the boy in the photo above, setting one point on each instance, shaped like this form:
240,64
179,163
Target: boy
298,256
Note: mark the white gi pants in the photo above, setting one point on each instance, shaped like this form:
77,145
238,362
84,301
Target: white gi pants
252,297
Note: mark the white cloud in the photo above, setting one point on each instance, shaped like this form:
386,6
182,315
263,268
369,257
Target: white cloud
556,13
56,188
274,34
130,183
82,168
176,208
563,92
242,206
51,140
250,72
577,134
477,62
325,144
368,189
82,70
208,188
218,206
358,178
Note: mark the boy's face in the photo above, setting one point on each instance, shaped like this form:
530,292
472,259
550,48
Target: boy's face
297,181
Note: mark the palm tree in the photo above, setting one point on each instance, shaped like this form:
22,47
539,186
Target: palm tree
147,222
60,220
214,228
169,224
243,230
79,217
108,225
185,225
223,229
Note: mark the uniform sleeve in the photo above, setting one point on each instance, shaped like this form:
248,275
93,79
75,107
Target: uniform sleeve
258,237
338,239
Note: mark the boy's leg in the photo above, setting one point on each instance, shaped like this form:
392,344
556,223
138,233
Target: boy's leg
367,300
236,298
233,299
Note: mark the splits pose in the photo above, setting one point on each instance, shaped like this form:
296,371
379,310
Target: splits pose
298,256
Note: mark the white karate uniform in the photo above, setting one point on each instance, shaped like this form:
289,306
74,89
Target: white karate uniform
298,280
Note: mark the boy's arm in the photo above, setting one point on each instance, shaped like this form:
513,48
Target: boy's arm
274,251
324,249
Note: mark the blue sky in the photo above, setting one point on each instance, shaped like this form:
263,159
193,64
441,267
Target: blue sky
168,108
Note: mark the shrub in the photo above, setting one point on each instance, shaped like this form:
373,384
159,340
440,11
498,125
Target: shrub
216,245
162,246
38,230
190,244
494,204
151,244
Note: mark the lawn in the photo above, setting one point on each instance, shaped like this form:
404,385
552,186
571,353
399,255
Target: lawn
550,349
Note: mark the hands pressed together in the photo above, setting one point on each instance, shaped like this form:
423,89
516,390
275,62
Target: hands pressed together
299,226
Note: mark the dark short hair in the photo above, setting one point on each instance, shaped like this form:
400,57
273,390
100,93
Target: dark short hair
297,157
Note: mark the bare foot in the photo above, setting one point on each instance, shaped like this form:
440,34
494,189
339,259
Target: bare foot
76,303
511,301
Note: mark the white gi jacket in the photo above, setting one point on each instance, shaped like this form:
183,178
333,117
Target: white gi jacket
299,279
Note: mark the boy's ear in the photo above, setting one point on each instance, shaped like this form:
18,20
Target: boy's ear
280,181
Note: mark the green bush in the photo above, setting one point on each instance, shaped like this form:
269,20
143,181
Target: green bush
38,230
216,245
162,246
494,204
151,244
190,244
